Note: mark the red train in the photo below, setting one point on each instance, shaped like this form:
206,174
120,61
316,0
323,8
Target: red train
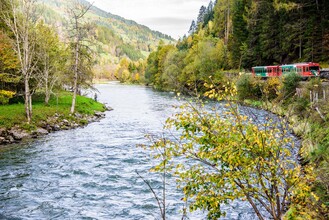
305,70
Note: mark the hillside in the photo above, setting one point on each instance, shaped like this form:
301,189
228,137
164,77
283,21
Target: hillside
116,37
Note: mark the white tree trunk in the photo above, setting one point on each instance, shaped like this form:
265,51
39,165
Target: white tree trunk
75,85
27,100
19,19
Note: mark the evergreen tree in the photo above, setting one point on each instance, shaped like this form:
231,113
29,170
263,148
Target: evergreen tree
202,13
240,33
193,28
209,15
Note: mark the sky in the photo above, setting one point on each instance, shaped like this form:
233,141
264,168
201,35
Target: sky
172,17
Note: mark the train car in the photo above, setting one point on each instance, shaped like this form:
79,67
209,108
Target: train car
266,71
303,69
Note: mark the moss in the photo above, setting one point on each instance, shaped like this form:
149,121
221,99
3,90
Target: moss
83,121
28,127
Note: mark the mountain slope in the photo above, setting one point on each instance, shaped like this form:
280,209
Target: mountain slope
116,36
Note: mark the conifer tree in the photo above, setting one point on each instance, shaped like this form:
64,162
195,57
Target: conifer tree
193,28
202,12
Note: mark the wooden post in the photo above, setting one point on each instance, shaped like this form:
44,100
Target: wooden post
310,96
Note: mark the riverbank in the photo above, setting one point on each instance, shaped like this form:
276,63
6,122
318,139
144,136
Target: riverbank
49,118
303,105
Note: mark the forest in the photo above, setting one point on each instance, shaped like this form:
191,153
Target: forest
235,35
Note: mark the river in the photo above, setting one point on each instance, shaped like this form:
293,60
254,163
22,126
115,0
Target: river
89,172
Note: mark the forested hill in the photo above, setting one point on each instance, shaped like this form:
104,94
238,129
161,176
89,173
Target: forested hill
116,37
238,34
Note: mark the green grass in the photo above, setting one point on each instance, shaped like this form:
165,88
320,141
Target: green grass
14,114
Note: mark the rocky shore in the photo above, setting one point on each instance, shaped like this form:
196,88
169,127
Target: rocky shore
55,123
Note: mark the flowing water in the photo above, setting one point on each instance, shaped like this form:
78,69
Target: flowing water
89,173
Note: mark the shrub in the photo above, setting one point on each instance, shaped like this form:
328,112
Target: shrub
248,87
5,96
290,83
272,88
301,105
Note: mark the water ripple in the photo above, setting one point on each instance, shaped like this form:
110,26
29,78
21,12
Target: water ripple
89,173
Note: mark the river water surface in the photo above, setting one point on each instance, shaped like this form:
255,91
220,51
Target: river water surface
89,173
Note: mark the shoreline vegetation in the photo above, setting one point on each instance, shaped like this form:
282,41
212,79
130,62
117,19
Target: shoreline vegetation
303,106
49,118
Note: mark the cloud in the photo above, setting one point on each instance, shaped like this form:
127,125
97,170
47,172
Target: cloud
167,21
171,17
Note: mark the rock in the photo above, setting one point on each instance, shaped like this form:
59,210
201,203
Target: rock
48,128
99,114
78,115
108,108
64,127
75,125
41,131
2,140
10,139
3,131
56,128
18,134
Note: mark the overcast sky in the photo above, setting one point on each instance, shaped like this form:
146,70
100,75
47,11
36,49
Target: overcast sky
172,17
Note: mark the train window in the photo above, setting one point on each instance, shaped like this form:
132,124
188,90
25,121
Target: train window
314,67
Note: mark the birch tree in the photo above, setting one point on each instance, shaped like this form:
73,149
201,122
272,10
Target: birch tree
19,16
79,30
53,58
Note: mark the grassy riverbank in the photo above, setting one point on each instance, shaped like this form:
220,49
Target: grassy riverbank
14,114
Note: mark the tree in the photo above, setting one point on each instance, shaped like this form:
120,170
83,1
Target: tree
79,33
52,57
20,16
193,28
173,66
151,68
209,15
219,157
202,13
8,69
122,72
240,32
223,19
204,59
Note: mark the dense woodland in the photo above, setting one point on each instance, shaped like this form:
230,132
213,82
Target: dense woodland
238,34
